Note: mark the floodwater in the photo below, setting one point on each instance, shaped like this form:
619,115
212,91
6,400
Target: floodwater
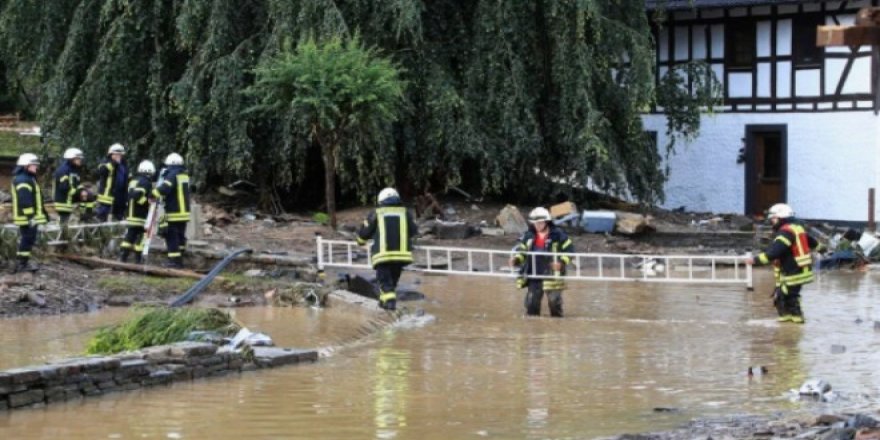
481,369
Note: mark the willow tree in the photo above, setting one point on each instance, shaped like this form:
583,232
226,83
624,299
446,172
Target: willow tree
338,94
502,96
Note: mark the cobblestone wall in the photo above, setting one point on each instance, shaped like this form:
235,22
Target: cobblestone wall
76,378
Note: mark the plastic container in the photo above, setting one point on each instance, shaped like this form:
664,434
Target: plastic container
598,221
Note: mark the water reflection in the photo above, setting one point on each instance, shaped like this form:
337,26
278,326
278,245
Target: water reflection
482,369
390,377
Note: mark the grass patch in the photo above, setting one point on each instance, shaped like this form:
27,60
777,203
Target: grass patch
13,144
158,326
123,285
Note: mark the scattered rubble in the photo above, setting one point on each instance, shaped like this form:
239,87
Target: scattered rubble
511,221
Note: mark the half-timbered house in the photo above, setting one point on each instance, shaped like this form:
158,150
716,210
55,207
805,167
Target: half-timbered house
797,122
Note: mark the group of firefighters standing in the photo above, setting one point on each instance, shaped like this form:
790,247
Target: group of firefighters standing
120,197
543,252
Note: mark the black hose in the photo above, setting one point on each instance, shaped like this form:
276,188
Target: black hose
202,283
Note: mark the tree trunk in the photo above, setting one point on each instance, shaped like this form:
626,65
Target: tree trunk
330,182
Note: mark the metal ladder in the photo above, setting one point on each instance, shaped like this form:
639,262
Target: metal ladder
54,234
693,269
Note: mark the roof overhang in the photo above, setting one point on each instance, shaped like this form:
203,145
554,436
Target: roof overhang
677,5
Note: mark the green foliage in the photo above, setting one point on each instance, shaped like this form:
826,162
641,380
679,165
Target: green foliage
158,326
503,93
13,144
321,218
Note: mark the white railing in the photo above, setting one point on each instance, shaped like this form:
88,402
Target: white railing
708,269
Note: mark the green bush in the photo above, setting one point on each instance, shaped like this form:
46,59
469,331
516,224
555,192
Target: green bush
158,326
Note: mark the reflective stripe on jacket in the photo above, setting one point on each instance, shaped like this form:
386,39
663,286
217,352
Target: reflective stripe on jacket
391,228
557,241
139,189
789,251
175,193
27,199
66,185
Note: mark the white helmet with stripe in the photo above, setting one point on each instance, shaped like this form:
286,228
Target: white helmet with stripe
116,148
386,194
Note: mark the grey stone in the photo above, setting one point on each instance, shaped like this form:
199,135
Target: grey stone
212,360
840,434
159,378
161,351
511,221
255,273
276,356
838,349
5,379
4,405
9,389
452,230
236,364
199,372
26,398
25,375
190,349
103,376
249,366
861,421
107,386
54,392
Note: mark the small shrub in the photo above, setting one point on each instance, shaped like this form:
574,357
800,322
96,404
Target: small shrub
158,326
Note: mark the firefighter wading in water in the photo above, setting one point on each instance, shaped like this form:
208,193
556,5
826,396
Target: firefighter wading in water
391,227
542,236
789,251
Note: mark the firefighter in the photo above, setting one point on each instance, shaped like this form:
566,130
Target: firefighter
542,236
69,191
112,184
789,252
392,228
140,194
174,191
27,208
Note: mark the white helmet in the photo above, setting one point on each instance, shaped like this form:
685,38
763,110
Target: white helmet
73,153
780,210
173,159
27,159
539,214
116,149
386,194
146,167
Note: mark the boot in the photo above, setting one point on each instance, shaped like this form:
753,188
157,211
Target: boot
138,258
174,263
388,300
123,255
24,265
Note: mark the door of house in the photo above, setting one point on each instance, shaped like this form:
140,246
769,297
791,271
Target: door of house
766,165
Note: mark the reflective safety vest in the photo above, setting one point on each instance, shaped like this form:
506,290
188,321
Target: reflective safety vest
796,267
67,186
800,248
556,241
391,228
106,180
175,191
27,199
139,189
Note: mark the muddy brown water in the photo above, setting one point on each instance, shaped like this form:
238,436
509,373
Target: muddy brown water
481,369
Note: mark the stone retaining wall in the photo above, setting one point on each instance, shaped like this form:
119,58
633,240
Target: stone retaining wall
75,378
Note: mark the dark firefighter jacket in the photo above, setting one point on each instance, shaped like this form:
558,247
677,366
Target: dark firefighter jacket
789,251
391,227
139,190
27,199
557,241
175,192
67,187
111,181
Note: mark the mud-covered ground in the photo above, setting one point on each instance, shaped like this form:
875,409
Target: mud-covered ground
64,287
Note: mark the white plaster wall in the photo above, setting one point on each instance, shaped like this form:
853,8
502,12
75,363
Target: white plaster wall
833,159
